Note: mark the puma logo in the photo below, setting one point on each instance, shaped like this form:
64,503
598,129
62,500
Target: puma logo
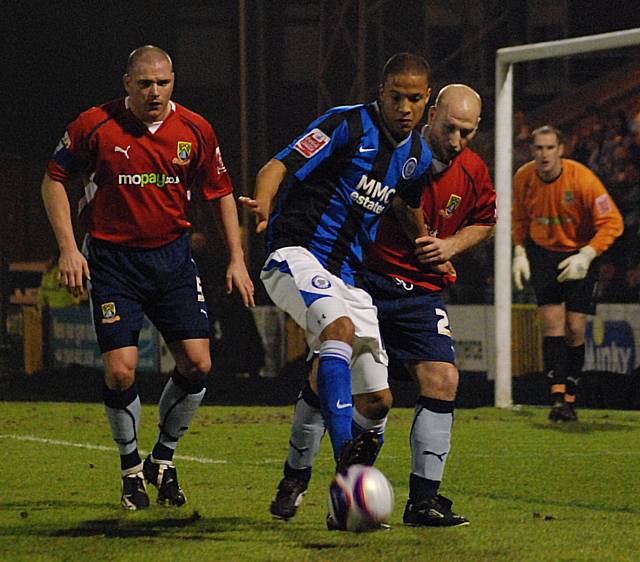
124,151
439,456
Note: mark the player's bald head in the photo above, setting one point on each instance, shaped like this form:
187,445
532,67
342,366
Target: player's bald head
148,54
461,98
453,121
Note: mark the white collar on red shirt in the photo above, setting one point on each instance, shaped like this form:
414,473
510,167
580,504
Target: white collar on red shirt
156,124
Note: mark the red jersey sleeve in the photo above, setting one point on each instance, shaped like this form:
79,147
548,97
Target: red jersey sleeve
71,156
484,211
213,178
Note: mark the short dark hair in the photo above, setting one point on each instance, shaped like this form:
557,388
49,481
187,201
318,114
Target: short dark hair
408,63
546,130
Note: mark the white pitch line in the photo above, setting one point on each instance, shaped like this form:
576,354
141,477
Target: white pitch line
206,460
35,439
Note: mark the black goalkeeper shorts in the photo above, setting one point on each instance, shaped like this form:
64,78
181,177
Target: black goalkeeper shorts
578,296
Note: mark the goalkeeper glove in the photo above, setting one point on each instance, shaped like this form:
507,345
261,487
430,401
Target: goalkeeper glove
520,268
575,267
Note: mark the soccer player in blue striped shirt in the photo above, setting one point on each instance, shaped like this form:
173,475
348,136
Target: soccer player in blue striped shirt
320,200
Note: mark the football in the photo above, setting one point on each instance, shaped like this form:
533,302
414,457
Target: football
361,499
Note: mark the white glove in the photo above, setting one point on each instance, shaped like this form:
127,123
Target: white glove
575,267
520,267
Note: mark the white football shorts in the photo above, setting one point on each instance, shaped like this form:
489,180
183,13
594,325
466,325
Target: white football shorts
300,286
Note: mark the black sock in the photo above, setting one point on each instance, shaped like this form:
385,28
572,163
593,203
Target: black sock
575,362
162,452
554,354
303,474
421,489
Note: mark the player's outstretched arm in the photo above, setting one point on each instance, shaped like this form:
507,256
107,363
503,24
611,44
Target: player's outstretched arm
72,264
432,250
237,274
268,181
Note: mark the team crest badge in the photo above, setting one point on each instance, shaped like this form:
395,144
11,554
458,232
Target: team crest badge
109,315
568,196
320,282
452,205
409,168
184,153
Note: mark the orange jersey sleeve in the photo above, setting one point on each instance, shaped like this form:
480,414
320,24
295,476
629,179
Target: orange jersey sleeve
566,214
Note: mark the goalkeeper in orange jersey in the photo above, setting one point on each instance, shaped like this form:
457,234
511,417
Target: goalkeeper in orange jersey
563,218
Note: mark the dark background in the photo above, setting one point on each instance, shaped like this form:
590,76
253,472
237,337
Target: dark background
61,57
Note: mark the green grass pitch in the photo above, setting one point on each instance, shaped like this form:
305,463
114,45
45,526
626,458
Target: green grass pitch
532,490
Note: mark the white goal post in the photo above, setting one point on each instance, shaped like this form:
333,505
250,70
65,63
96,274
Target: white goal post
505,59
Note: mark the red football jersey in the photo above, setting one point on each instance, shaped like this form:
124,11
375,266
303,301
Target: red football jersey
137,183
462,195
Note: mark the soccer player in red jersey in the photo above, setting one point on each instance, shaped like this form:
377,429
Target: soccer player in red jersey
139,157
459,209
406,285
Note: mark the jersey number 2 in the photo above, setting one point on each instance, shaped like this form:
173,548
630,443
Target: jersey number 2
443,322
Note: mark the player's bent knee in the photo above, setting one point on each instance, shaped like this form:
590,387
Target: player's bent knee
341,329
119,379
374,405
120,368
197,369
440,381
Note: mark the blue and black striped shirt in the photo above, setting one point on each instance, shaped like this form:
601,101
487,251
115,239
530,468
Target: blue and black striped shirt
343,173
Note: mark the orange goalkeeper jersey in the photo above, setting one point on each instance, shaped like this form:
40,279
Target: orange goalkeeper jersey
566,214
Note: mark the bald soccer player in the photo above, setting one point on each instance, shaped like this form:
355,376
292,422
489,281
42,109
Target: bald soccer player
139,158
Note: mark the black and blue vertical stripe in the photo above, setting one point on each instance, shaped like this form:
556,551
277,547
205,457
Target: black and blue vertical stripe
331,201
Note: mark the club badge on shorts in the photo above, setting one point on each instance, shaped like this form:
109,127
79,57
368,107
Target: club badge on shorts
109,315
320,282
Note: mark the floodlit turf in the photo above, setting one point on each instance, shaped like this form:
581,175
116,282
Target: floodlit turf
532,490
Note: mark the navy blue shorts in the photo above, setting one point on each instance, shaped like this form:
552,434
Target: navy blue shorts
413,321
127,283
578,296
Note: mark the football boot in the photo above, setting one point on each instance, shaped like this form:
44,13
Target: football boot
164,477
434,512
134,492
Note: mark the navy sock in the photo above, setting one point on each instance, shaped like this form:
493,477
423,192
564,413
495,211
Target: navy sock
421,489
